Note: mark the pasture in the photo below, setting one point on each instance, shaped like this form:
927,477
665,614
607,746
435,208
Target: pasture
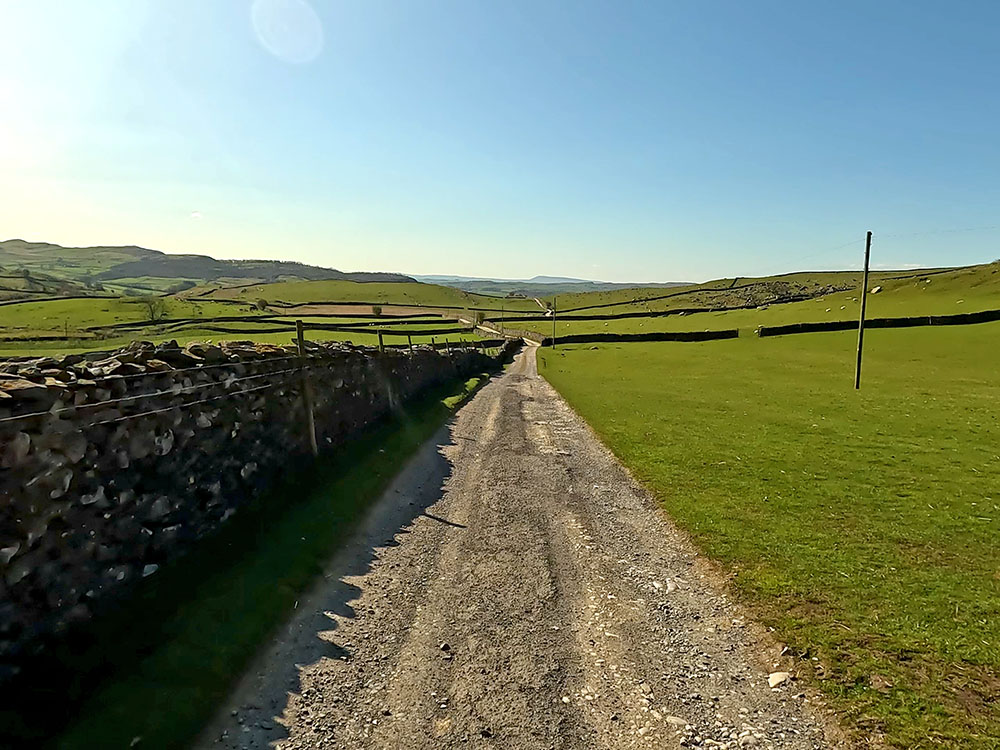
927,293
412,294
66,325
36,328
863,526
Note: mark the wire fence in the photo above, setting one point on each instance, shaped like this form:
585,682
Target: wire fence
176,391
306,363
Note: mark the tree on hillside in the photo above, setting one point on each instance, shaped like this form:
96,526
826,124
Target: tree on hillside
29,283
376,309
261,304
156,308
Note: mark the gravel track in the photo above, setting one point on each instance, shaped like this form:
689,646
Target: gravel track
516,588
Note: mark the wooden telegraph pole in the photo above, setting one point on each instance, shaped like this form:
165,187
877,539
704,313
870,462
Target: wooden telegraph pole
553,321
306,392
861,321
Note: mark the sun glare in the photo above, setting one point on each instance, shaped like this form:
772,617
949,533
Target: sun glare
288,29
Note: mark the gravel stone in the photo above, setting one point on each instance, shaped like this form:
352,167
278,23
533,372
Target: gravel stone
522,544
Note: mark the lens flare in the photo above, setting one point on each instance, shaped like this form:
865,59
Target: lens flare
288,29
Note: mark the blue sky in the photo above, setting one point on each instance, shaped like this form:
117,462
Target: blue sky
644,141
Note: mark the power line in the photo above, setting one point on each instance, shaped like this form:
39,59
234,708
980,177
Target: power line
812,254
987,228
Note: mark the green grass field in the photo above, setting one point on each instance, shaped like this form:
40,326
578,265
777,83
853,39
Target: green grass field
399,293
734,291
864,527
56,316
69,319
903,293
961,291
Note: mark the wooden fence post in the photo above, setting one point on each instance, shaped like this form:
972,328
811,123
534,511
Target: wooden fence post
381,343
434,346
306,392
409,340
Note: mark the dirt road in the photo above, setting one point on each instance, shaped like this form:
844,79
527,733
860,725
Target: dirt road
515,588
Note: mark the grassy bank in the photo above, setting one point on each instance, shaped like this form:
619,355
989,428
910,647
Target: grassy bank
164,663
864,527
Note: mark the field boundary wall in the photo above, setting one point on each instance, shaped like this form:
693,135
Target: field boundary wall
110,468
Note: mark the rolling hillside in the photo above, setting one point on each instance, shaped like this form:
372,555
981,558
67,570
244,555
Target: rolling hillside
18,286
33,317
746,304
132,268
408,294
537,286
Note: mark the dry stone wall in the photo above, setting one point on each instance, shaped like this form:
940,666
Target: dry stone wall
110,468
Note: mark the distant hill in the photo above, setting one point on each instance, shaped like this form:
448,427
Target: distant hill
537,286
132,268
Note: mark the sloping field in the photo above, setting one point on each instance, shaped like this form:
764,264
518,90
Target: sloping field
70,325
925,293
15,286
56,316
753,292
412,294
864,527
743,304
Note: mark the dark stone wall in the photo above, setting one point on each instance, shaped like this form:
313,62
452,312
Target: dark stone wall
110,468
958,319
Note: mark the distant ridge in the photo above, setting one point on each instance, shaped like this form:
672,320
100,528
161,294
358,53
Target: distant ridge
136,268
537,286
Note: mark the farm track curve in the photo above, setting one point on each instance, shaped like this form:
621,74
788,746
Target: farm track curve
516,588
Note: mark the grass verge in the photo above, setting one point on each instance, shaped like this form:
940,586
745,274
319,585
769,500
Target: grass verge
176,648
864,527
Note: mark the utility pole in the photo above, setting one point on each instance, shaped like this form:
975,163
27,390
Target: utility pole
861,321
553,321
